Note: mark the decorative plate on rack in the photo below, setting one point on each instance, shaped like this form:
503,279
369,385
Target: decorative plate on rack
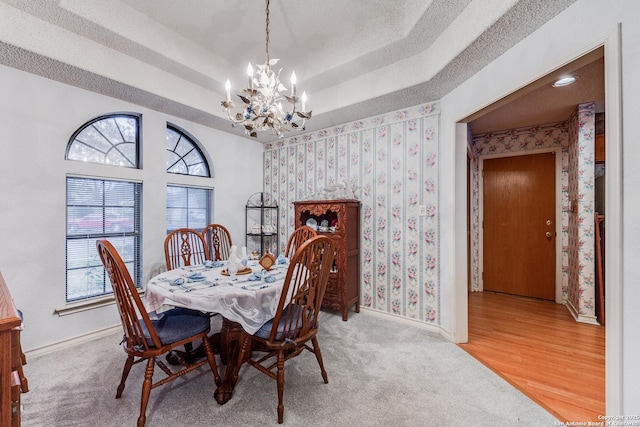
311,222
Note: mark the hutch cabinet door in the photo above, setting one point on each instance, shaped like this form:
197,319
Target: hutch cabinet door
340,220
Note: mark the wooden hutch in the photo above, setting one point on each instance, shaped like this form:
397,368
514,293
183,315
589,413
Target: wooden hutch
10,359
343,217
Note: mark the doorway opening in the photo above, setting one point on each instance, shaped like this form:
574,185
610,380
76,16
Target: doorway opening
531,109
536,120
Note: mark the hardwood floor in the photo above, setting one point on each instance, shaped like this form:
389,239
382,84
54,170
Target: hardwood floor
541,350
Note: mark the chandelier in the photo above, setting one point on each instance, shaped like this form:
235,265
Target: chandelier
262,100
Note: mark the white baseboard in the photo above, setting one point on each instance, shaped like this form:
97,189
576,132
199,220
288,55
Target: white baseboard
408,321
50,348
580,318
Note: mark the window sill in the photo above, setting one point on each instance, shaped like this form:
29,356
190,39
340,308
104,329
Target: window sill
90,304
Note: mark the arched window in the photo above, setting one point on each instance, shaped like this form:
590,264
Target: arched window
184,155
111,140
101,208
187,205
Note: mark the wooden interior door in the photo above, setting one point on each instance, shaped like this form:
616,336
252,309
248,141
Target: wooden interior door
519,229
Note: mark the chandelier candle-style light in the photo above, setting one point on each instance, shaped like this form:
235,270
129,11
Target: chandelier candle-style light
262,100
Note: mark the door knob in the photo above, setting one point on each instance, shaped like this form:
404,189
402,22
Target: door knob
549,222
548,234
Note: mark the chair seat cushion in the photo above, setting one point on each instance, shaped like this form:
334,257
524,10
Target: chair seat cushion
178,324
265,330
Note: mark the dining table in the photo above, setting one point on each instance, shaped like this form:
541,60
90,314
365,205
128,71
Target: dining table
246,301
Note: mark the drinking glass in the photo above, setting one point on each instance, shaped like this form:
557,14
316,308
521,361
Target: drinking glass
233,269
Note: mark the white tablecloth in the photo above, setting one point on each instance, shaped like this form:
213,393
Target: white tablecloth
249,303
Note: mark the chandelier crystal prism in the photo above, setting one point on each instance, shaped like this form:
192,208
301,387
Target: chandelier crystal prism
262,100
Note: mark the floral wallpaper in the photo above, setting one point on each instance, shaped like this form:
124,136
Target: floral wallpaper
576,138
510,141
390,163
581,289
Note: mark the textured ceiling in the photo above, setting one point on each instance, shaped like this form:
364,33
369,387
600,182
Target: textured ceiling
355,58
541,103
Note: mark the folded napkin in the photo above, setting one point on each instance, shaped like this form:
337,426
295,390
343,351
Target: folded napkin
254,277
269,279
213,264
282,260
193,277
179,281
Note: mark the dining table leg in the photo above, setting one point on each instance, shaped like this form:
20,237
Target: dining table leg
231,336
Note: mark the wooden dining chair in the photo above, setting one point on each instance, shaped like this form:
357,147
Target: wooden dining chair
297,238
185,247
146,339
296,319
218,241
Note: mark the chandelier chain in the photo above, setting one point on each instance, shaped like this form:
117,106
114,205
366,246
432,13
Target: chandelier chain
262,101
267,38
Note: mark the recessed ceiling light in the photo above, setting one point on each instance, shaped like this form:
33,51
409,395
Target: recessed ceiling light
565,81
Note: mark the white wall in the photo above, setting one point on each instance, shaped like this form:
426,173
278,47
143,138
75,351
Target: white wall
630,280
37,117
580,28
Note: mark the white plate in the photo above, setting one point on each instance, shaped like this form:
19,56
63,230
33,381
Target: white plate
311,222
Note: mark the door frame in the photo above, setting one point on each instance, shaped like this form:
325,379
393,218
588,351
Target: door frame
614,354
558,212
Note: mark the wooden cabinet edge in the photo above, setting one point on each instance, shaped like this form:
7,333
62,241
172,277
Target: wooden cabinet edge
599,149
9,379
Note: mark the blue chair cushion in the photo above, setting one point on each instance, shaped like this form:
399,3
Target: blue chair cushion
178,324
265,330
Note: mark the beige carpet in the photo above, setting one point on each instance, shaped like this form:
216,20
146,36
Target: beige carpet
381,373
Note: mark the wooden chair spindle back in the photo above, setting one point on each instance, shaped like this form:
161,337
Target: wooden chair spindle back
218,241
185,247
297,238
304,287
130,306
